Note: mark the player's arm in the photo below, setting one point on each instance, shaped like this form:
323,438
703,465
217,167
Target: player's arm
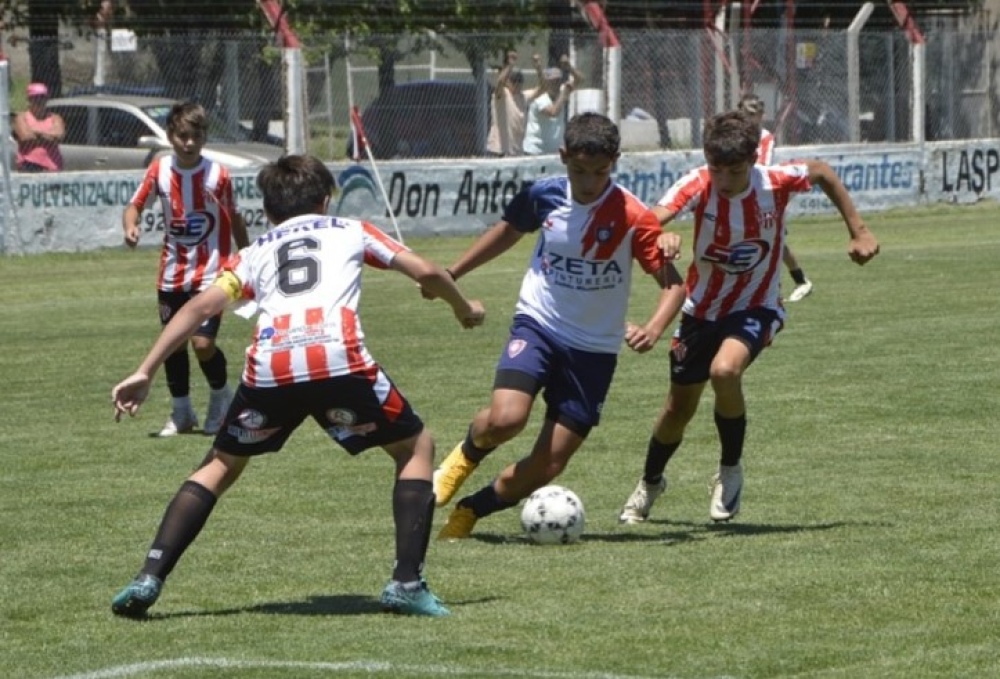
863,244
22,130
436,282
130,224
240,234
495,241
669,241
643,338
131,392
58,129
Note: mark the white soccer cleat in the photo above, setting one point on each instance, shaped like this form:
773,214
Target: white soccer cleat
801,291
727,487
218,404
636,509
180,422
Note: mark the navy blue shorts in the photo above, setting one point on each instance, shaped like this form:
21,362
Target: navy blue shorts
357,411
576,382
171,303
696,342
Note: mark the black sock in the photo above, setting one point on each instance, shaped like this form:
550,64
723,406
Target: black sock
177,368
657,456
798,276
185,516
485,502
412,511
732,433
214,369
472,451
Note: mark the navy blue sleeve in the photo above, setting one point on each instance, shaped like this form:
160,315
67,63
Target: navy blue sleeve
520,211
527,211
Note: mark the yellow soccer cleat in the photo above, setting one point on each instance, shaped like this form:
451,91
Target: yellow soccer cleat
450,476
461,521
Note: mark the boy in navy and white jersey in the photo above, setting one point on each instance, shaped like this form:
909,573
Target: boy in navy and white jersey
308,359
569,322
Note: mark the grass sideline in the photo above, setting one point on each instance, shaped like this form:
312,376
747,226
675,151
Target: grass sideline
867,546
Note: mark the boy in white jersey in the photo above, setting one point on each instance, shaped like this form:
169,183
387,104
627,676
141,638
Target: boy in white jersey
733,306
308,359
753,106
569,321
200,224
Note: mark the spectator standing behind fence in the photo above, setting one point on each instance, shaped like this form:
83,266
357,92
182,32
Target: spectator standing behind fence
546,118
38,132
753,105
510,105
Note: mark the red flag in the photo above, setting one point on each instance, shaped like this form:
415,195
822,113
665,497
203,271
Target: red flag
359,142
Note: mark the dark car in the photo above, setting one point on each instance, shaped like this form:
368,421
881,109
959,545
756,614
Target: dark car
428,119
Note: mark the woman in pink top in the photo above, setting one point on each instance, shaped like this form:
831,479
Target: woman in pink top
38,132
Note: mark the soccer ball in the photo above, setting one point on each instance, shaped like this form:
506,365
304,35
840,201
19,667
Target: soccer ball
552,515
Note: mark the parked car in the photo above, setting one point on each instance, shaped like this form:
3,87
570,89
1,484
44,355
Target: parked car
125,132
428,119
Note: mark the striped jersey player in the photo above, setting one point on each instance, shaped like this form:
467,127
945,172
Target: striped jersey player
201,224
308,359
733,306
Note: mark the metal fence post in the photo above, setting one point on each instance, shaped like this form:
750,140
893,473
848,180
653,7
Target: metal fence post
854,71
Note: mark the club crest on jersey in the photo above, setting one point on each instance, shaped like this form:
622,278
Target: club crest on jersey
767,219
515,346
192,228
604,233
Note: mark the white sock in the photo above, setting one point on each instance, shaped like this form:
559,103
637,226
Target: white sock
182,403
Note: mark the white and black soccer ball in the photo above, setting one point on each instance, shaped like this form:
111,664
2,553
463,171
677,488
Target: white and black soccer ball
552,515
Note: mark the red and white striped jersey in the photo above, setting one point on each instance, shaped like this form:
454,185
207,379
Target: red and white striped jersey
765,148
198,206
738,241
305,278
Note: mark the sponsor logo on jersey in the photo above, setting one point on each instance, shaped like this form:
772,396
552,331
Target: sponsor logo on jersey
193,228
737,258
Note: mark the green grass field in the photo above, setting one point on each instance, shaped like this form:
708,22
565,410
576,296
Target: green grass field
867,546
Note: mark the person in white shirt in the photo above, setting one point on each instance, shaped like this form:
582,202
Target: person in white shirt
545,122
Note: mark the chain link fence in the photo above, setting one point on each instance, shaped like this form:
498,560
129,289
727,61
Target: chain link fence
419,101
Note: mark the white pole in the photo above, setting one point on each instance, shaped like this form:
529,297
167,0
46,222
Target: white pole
10,234
614,106
349,73
100,50
295,114
854,71
917,55
718,38
735,13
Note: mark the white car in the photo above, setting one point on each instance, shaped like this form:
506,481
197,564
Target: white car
124,132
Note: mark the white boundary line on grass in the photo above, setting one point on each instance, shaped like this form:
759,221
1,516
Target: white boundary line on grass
368,666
